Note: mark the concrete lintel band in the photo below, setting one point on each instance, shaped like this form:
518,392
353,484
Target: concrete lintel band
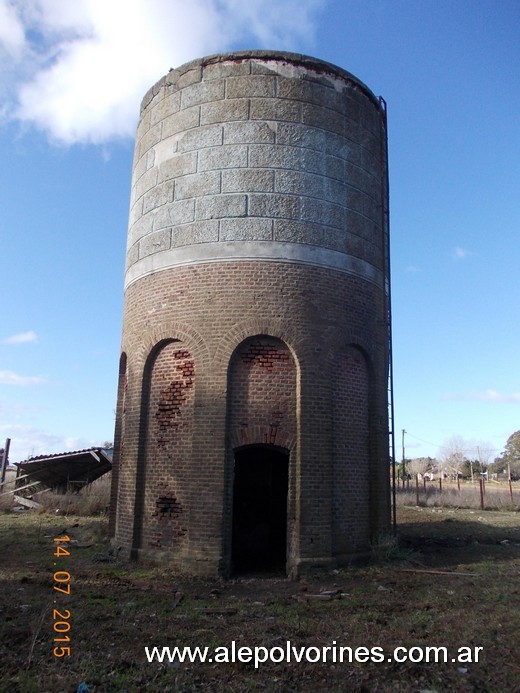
254,250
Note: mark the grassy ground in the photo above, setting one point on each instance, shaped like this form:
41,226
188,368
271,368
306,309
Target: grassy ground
453,581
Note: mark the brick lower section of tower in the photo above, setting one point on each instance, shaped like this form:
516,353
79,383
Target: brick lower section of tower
224,355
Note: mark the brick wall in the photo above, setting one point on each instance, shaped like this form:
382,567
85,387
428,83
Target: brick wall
170,390
262,394
351,497
212,310
119,442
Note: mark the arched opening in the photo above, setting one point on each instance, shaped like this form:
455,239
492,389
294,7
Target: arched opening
164,452
119,438
351,505
259,539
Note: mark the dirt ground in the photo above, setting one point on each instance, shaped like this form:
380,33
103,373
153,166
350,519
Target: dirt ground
452,581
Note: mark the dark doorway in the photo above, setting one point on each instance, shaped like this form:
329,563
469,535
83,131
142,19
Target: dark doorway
260,509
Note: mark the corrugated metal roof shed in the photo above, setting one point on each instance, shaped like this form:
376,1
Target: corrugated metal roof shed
68,469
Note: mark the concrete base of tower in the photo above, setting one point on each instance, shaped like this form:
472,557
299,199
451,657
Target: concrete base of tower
198,566
306,566
214,567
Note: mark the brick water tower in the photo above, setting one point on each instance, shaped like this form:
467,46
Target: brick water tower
252,416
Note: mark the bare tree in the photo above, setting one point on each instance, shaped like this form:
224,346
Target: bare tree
453,454
420,465
484,452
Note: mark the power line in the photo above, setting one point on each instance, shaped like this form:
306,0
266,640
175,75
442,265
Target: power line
440,445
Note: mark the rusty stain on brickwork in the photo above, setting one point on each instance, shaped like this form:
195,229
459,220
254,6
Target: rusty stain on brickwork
167,507
264,355
167,518
173,397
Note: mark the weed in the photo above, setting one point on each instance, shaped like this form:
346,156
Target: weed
463,593
91,500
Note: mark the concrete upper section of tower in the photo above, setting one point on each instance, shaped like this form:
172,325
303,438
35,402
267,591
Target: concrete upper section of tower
259,155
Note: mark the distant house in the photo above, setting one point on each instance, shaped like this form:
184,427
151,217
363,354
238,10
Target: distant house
438,472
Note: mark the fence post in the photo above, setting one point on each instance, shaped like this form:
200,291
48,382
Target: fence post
511,489
481,493
417,489
4,461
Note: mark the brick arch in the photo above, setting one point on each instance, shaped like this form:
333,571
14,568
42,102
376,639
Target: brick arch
351,420
262,393
247,329
165,446
348,338
172,331
261,435
119,440
352,465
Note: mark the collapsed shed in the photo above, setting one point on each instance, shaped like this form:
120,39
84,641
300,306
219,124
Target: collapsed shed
60,472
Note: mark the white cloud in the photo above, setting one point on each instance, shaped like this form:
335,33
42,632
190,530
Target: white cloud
78,70
495,396
21,338
485,396
28,441
12,38
460,253
16,411
11,378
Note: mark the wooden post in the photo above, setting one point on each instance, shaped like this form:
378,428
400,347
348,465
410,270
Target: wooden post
511,489
417,489
481,493
4,461
440,484
458,482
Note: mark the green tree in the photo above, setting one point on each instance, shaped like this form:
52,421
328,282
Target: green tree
509,459
470,467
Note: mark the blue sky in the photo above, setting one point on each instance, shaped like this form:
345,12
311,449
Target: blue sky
72,78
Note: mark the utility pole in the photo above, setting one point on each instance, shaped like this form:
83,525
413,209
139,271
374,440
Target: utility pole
404,469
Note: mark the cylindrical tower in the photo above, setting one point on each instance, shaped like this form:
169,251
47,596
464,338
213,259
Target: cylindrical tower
252,420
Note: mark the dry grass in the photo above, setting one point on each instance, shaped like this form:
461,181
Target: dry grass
91,500
451,580
496,496
6,502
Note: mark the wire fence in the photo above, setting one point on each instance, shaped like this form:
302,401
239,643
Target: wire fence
486,495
